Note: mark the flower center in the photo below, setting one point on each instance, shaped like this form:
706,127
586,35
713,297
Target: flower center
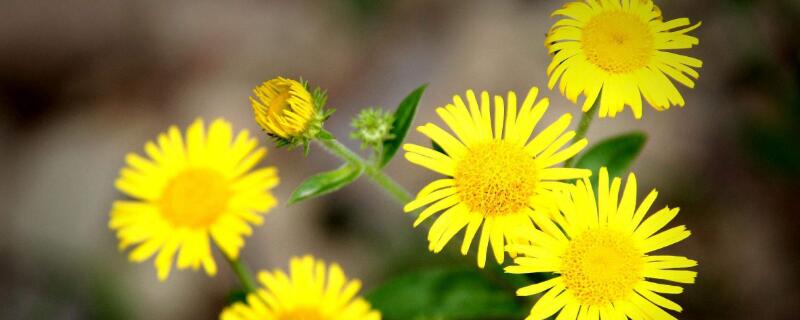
279,102
301,314
195,198
617,42
601,266
496,178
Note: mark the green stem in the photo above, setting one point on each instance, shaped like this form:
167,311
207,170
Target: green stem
243,273
374,173
583,127
387,183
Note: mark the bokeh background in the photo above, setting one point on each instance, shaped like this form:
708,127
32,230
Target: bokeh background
84,82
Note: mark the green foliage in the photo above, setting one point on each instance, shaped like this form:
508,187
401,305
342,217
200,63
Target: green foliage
403,117
437,147
446,293
326,182
616,153
234,296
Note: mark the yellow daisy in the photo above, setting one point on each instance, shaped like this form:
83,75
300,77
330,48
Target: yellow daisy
188,190
311,291
616,51
496,176
283,107
600,251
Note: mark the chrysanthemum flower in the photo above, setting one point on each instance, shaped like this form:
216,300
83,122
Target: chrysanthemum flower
616,51
311,291
600,251
284,108
188,190
496,177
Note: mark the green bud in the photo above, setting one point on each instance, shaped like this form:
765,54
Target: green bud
372,127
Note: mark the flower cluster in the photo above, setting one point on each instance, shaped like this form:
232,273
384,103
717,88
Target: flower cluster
507,181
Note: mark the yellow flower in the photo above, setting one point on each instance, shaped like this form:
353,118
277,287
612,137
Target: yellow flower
495,177
284,108
188,190
600,251
616,51
306,293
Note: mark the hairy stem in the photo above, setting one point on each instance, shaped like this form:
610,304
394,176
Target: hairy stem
374,173
243,273
583,127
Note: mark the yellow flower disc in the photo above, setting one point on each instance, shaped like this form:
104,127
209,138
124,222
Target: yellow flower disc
617,42
601,266
497,178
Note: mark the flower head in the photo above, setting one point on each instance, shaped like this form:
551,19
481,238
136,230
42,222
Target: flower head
191,188
617,51
288,111
496,176
600,248
311,291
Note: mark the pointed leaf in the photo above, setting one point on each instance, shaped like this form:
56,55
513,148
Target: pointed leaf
616,153
437,147
324,134
403,117
326,182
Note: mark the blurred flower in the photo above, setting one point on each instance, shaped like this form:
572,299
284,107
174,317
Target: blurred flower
288,111
305,293
372,128
614,51
599,251
188,191
495,178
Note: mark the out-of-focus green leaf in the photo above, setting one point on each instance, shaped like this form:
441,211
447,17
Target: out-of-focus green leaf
446,293
615,153
403,117
234,296
326,182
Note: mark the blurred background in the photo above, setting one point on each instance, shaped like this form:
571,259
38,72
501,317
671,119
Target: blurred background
84,82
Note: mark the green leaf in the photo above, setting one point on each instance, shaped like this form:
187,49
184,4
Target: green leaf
616,153
403,117
324,134
446,293
437,147
326,182
234,296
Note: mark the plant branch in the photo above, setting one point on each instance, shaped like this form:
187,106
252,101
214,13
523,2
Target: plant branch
243,274
583,127
373,172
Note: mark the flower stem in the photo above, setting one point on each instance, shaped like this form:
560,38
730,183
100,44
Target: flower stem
583,127
243,273
374,173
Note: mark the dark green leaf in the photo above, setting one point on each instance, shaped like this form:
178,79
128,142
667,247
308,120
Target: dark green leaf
326,182
234,296
403,117
615,153
437,147
446,293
